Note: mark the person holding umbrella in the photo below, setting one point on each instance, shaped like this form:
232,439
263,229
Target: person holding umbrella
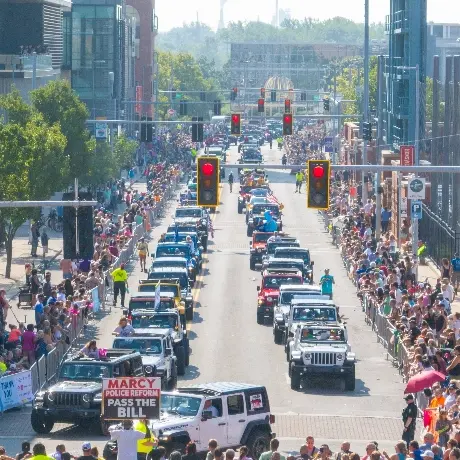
409,416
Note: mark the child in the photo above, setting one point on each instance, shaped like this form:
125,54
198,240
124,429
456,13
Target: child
443,427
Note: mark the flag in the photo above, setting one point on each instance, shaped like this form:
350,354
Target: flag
157,296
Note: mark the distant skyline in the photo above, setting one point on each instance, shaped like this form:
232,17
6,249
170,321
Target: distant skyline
177,12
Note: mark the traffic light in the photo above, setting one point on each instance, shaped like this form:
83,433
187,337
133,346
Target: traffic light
303,96
236,124
261,105
273,95
326,104
287,124
197,129
183,108
146,130
208,175
202,96
367,131
217,107
318,182
287,106
262,93
234,94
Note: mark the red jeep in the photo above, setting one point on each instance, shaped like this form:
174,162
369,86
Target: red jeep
269,290
258,248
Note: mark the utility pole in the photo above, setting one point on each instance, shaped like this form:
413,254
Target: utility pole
366,92
417,162
378,178
34,70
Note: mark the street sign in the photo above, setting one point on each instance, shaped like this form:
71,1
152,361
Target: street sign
101,130
131,398
406,155
328,144
403,207
416,189
416,210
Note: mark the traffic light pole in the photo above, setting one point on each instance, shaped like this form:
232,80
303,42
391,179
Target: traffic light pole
366,93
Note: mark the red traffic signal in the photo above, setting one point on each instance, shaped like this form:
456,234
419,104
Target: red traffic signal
287,106
235,127
318,184
207,169
287,124
261,105
208,177
318,172
262,92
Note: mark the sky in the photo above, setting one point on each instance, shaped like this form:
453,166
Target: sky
174,13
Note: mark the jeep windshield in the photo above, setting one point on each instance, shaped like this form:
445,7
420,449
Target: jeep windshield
188,212
314,314
261,208
180,405
281,244
322,335
285,264
171,238
259,192
136,305
285,253
84,371
286,297
262,237
182,277
165,290
169,263
173,251
143,346
270,282
154,321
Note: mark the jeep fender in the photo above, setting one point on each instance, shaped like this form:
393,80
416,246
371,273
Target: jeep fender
263,425
177,437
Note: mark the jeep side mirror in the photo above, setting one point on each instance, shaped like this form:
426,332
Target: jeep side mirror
206,415
168,351
258,288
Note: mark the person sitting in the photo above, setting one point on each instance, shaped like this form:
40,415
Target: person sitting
90,350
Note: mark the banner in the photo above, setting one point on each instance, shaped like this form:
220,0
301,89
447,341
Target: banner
139,96
15,390
406,155
131,398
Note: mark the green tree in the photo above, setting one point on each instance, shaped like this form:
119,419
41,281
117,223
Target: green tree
124,150
32,160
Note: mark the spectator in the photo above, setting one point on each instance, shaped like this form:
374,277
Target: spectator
274,445
25,451
212,446
190,452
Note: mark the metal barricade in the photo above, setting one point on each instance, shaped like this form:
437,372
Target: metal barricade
41,367
52,364
35,378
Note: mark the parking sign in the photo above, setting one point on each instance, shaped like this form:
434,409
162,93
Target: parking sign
416,210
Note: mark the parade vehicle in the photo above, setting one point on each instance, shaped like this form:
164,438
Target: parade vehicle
256,217
319,349
248,191
296,264
241,417
297,253
147,322
183,250
258,247
283,308
76,397
268,291
253,200
178,262
168,273
181,237
157,355
280,242
192,221
233,139
168,288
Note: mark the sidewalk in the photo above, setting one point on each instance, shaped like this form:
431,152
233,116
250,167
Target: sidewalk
431,273
21,255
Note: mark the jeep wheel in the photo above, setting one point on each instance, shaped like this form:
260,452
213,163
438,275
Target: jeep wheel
258,442
180,354
104,426
260,318
246,218
240,209
189,313
187,352
249,231
278,336
295,379
350,380
204,242
40,423
172,384
252,264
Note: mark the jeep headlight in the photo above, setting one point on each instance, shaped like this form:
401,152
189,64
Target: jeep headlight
86,400
339,357
148,369
308,356
259,250
269,299
49,398
203,221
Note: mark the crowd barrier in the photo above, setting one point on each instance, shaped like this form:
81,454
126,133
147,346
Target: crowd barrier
47,367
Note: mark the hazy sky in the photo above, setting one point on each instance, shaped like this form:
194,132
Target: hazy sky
174,13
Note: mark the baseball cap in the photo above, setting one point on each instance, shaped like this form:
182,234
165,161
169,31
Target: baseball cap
452,385
122,266
409,396
428,453
86,446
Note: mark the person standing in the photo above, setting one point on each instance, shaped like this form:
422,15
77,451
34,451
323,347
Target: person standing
326,283
230,181
299,178
455,275
409,417
35,236
145,445
126,438
44,239
143,251
120,283
386,217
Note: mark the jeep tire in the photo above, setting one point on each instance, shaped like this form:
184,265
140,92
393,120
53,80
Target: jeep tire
240,208
204,242
187,351
350,380
249,231
180,355
104,426
252,264
295,378
189,313
172,384
40,423
278,336
258,442
260,318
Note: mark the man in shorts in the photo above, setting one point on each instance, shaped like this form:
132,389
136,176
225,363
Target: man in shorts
143,251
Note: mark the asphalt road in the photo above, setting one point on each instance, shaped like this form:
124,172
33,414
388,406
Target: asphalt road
228,345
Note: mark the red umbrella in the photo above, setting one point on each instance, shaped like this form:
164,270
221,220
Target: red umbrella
423,380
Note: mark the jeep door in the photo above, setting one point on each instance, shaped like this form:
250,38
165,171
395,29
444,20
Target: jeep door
236,418
215,427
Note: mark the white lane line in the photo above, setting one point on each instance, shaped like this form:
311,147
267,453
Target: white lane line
380,417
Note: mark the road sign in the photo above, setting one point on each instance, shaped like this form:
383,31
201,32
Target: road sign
416,210
416,189
101,130
406,155
328,144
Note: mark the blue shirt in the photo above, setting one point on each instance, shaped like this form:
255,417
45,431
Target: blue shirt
386,216
456,264
326,284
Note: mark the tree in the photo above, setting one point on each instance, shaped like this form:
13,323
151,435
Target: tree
58,103
32,161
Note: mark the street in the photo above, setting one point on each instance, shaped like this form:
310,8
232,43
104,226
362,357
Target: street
228,345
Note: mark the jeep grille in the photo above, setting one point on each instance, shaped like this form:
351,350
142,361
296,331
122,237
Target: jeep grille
68,399
323,359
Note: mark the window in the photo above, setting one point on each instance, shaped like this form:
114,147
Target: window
235,404
217,404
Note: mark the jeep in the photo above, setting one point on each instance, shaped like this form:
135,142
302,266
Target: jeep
280,242
157,355
182,250
296,264
76,397
247,191
255,218
309,309
234,413
182,237
146,322
258,247
192,215
283,308
321,349
170,273
199,227
269,291
297,253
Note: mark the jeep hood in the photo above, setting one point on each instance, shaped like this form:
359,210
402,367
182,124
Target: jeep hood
172,422
324,348
152,360
88,386
270,292
259,245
